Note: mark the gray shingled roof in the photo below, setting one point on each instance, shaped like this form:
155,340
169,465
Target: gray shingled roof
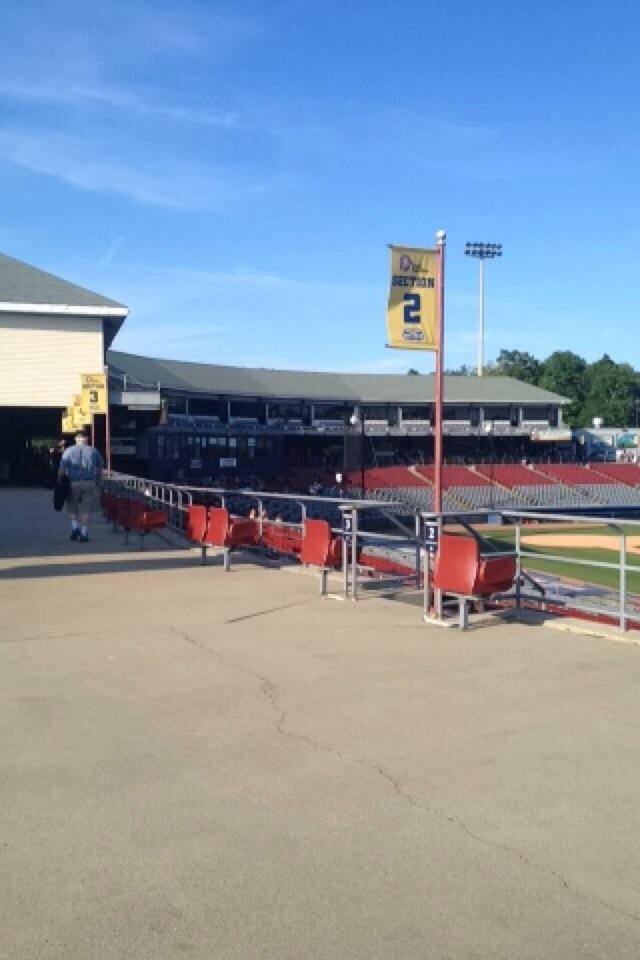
22,283
353,387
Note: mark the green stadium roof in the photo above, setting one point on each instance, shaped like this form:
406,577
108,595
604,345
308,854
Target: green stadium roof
205,378
27,290
21,283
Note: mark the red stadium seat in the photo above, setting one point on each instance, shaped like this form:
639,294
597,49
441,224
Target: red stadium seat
281,538
319,547
461,569
514,475
196,524
627,473
225,531
574,475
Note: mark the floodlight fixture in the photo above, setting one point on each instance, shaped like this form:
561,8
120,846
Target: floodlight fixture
484,251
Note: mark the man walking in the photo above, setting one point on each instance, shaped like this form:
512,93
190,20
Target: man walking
82,464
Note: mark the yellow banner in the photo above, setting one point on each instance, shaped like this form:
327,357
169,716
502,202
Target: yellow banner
81,416
94,392
68,425
412,311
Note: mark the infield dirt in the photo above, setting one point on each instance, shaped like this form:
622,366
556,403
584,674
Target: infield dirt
581,541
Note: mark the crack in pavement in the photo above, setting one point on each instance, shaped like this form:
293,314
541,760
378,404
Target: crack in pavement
269,690
51,636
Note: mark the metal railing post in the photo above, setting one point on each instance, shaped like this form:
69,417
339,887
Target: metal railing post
417,530
354,553
426,588
345,565
518,562
623,581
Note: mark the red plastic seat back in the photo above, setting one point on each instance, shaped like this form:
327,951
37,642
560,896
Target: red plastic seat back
242,532
460,568
135,514
317,544
495,575
124,512
145,520
196,524
457,563
217,533
277,536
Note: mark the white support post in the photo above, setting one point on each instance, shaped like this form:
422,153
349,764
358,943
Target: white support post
481,330
354,554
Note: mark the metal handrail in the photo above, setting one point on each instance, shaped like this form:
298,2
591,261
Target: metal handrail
563,517
164,493
178,497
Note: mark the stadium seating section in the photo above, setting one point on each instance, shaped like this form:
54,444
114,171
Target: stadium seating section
497,485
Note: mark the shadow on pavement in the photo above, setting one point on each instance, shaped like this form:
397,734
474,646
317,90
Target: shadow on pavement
136,564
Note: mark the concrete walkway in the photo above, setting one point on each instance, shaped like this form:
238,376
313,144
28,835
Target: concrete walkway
228,767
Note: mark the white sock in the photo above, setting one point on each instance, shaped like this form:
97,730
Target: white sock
74,525
83,531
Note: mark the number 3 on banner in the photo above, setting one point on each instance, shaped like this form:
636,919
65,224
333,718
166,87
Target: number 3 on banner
412,307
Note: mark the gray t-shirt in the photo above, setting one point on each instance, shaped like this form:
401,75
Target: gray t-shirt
81,462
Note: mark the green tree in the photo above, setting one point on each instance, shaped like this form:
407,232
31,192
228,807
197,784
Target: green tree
610,393
412,372
564,373
519,364
462,371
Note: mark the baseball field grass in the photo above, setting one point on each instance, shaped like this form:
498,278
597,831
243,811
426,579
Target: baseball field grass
576,571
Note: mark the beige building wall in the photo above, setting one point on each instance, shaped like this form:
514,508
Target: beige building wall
41,358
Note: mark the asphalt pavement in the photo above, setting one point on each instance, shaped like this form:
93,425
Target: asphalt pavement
229,767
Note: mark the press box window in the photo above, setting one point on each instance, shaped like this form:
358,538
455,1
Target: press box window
205,407
328,411
456,412
536,414
422,413
285,411
176,405
380,413
246,410
497,413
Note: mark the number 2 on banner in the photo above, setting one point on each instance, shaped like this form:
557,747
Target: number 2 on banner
412,306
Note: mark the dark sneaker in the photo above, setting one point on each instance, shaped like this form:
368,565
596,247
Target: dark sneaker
75,535
83,538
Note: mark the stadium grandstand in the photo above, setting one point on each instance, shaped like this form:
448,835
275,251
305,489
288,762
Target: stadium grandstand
230,421
296,431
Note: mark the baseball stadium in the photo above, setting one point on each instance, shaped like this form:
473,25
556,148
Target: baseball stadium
319,481
325,437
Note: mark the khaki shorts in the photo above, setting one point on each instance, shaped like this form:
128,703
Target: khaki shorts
83,497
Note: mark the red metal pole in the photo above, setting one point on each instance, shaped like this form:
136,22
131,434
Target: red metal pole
437,437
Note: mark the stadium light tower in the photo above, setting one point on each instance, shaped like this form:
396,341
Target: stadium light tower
483,251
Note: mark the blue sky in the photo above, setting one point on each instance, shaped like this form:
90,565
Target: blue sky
234,172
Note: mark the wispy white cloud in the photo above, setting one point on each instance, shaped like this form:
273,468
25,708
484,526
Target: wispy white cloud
75,94
170,184
110,253
245,276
